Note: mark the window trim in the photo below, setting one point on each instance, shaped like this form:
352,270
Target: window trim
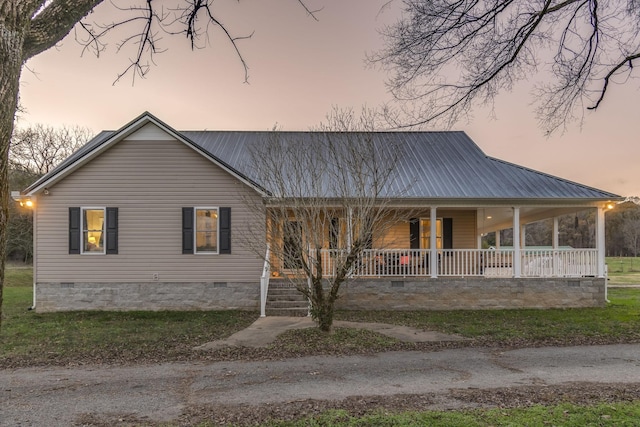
104,229
195,230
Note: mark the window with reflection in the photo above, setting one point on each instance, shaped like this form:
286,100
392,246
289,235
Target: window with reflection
206,230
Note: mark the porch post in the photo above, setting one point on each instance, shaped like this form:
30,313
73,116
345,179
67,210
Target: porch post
600,245
555,239
516,243
498,239
433,251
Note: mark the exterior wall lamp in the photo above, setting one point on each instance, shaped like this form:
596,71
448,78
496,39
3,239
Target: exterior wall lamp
24,201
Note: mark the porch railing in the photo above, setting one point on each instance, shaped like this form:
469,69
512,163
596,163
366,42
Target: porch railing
466,262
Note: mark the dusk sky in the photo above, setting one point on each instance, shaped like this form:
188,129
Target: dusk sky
298,70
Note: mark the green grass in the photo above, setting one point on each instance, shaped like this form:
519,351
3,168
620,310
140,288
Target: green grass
564,415
619,321
18,275
623,270
30,338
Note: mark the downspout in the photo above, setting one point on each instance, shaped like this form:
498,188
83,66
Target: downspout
34,260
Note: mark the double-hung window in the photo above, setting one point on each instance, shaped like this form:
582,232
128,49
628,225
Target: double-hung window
206,230
93,232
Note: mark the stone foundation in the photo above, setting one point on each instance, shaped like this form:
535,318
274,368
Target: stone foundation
150,296
360,294
471,293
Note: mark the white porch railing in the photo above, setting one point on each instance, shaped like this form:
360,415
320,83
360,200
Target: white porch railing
467,262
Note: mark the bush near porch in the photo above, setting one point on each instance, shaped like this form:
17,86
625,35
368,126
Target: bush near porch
29,338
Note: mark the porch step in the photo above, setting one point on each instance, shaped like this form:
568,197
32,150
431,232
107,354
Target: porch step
284,299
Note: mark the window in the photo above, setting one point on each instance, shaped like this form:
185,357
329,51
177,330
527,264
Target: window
93,230
206,230
93,234
425,233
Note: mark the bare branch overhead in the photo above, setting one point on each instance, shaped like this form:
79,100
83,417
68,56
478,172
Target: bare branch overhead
445,57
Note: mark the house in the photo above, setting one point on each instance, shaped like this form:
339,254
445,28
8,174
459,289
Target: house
149,218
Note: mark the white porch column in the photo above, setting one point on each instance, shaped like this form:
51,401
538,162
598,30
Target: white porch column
523,235
555,238
517,260
433,250
498,239
600,245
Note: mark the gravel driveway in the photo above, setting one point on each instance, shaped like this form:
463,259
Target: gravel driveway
169,392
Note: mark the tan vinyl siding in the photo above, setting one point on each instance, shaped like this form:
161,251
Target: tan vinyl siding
149,181
464,230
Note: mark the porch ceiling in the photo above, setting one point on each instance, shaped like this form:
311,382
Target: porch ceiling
499,218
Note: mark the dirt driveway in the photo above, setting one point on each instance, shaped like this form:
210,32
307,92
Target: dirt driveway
169,392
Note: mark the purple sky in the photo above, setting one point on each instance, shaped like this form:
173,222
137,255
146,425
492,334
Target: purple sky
299,69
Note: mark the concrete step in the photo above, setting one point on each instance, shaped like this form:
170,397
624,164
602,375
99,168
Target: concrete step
283,299
278,295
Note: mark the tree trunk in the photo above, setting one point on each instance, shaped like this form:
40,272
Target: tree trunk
11,41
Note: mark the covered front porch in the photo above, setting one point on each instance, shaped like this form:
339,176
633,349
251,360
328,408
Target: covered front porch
451,242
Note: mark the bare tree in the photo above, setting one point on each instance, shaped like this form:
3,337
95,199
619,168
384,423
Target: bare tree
445,56
329,193
40,148
33,152
29,27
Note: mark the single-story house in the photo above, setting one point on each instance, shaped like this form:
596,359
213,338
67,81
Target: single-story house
148,218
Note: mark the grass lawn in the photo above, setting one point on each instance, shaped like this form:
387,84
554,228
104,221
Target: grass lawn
623,270
30,338
618,414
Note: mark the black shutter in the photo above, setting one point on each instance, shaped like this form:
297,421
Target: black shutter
447,233
414,233
187,230
74,230
225,230
112,231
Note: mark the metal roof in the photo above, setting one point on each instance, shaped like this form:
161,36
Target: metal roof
433,165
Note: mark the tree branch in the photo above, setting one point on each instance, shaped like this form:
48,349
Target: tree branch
55,21
628,61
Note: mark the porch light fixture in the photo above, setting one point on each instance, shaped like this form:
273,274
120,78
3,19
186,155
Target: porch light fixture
23,200
609,206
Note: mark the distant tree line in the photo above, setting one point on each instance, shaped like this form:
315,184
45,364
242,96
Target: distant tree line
33,152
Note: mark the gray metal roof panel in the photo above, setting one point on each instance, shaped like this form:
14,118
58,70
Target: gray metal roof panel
433,165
